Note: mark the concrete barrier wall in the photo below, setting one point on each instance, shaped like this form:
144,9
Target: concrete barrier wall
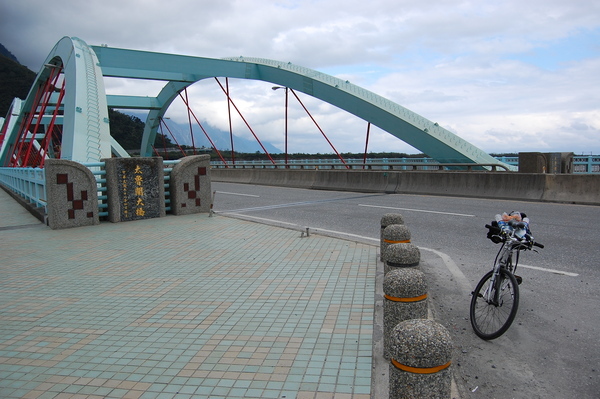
569,188
565,188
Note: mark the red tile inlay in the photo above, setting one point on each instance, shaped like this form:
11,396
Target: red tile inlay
63,178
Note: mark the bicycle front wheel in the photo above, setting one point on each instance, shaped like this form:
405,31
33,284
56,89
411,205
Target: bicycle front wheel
493,309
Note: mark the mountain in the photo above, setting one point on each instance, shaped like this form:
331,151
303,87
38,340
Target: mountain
15,80
180,133
220,138
4,51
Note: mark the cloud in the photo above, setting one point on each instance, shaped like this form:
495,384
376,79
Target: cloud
506,76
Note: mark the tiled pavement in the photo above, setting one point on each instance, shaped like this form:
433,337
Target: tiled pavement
182,307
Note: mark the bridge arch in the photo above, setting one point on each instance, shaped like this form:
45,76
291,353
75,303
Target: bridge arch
90,63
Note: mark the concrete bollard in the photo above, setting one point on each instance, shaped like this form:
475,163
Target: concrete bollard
421,353
387,220
400,255
394,234
405,298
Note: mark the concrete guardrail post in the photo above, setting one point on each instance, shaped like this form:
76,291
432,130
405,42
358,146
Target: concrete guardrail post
405,298
421,353
387,220
401,255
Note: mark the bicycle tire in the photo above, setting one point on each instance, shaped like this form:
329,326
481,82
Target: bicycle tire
491,320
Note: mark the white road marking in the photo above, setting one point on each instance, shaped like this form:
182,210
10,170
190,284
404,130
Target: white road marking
416,210
460,277
243,195
549,270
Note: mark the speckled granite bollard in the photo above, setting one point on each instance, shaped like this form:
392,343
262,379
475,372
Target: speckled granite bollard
393,234
400,255
405,298
421,353
387,220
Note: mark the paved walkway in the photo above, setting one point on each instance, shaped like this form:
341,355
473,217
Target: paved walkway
182,307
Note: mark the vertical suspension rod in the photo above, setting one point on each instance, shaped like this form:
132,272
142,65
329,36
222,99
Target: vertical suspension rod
286,125
24,127
45,98
246,122
366,144
171,133
189,119
164,139
230,126
26,123
205,133
321,130
50,128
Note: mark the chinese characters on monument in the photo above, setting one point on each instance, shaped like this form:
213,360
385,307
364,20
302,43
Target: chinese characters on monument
140,188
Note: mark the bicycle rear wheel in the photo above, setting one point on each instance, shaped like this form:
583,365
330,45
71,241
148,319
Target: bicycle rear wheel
491,318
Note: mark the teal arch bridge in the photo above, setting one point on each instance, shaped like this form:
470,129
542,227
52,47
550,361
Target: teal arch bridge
65,114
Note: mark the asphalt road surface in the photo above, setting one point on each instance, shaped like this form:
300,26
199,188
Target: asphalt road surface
552,350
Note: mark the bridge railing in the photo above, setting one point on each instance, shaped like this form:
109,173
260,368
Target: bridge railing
581,164
586,164
30,184
336,164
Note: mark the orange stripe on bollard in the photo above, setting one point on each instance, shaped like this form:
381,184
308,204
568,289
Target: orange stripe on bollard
413,299
396,242
420,370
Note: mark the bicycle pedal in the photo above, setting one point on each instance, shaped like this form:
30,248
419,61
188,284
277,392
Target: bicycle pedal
519,279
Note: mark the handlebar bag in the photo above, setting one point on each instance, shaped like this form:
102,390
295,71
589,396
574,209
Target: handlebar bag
493,231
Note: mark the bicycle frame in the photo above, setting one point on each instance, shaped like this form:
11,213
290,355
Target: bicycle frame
504,259
495,300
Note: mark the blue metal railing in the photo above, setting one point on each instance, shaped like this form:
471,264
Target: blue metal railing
30,184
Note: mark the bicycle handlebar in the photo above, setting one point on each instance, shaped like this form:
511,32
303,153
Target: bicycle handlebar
498,230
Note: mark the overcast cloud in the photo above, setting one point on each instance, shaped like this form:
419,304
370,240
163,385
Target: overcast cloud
507,76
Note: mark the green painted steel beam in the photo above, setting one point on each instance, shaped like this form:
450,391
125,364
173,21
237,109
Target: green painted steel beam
132,102
181,71
86,102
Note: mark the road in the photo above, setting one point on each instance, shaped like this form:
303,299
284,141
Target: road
552,349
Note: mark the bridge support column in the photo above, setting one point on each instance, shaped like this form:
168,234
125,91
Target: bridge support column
71,194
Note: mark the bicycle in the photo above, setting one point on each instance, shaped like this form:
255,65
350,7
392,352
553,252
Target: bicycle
495,300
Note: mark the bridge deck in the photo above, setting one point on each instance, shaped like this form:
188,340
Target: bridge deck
188,306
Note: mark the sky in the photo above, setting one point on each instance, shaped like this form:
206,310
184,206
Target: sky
506,75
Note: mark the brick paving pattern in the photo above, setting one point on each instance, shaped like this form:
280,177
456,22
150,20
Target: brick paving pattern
182,307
